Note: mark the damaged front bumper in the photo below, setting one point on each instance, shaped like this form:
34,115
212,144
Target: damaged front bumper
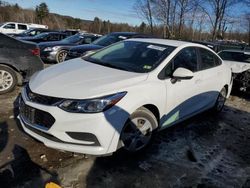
242,80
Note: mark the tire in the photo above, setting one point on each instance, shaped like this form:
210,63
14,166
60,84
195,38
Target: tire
220,101
61,55
8,79
134,136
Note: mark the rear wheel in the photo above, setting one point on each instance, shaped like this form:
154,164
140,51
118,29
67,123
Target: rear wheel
8,79
221,99
138,130
61,55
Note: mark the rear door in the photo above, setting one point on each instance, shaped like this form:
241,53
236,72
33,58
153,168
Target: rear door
210,76
21,28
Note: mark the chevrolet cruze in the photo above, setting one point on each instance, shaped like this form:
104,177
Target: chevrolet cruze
119,96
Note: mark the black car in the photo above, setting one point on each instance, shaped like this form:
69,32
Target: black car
103,41
18,61
56,52
45,37
32,32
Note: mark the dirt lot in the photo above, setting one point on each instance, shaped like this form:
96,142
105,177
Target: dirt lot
205,151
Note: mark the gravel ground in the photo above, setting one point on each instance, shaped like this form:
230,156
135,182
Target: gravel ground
205,151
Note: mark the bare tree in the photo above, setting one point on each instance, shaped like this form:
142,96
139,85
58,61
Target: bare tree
161,10
144,10
216,16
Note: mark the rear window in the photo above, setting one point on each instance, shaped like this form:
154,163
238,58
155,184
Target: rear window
208,59
22,27
235,56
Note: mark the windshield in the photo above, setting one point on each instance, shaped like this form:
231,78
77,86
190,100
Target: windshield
235,56
131,56
42,35
107,40
73,39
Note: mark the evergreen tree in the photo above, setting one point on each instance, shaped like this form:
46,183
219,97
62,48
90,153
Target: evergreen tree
42,11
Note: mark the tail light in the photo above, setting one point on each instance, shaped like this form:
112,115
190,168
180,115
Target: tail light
35,51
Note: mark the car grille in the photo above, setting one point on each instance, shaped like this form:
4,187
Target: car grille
41,99
36,117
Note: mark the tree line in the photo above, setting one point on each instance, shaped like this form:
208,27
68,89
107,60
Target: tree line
175,19
196,19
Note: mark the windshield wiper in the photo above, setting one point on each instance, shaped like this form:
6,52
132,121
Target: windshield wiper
114,66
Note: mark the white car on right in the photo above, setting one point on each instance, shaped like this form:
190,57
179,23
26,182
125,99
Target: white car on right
239,62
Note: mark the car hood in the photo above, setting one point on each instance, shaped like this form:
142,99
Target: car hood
237,67
79,79
52,44
86,47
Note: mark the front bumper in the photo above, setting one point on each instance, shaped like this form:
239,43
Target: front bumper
94,134
48,56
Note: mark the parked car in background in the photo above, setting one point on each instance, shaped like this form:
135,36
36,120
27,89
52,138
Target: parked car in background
239,62
45,37
70,32
18,61
102,42
15,28
119,95
212,45
56,52
32,32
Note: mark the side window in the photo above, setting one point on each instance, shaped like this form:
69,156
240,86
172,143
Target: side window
186,58
87,40
10,26
207,59
63,37
217,61
53,37
22,27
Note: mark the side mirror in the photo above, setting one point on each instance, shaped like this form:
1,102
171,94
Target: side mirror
183,74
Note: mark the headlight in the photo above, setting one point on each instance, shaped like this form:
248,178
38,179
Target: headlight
91,105
49,49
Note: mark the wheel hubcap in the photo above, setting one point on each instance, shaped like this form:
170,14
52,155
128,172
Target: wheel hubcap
6,80
62,56
136,134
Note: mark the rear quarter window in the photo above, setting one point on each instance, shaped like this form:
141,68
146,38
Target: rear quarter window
22,27
208,59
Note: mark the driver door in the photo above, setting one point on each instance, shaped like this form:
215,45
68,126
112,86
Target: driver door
182,94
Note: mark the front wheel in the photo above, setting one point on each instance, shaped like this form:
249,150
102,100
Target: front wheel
221,99
8,79
138,130
61,55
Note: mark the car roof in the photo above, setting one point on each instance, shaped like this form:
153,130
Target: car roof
240,51
124,33
55,33
175,43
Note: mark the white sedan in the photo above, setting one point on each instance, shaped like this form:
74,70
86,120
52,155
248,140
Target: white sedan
118,96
